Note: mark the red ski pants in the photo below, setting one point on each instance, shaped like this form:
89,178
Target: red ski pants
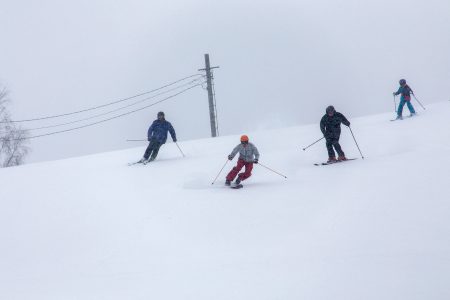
240,164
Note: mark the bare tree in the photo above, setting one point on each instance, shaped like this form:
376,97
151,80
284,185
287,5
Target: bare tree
13,141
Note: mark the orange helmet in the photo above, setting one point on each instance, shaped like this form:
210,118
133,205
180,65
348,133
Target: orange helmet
244,138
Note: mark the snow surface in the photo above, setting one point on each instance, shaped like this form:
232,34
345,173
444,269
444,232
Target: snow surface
94,228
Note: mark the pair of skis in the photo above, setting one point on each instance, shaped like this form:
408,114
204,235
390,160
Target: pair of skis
235,186
139,162
400,119
334,162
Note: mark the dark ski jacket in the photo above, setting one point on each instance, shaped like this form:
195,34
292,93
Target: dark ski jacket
158,131
405,92
331,126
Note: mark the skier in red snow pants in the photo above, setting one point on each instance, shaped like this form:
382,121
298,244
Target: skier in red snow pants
247,173
248,155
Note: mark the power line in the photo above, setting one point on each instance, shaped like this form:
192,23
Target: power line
117,109
109,119
104,105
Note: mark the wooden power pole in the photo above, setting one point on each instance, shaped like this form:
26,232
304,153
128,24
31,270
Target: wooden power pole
211,100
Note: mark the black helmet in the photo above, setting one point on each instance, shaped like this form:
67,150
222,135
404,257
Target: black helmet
402,81
161,114
330,109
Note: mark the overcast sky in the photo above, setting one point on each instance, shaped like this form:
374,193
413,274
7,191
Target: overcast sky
281,62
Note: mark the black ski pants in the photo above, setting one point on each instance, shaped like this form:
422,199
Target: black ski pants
152,149
334,142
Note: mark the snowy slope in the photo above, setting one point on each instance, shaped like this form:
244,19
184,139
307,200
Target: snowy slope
94,228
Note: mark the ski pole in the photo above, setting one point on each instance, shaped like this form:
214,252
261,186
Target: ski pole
180,149
136,140
395,105
271,170
220,172
313,143
418,101
355,141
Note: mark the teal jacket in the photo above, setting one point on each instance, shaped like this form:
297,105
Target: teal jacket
405,92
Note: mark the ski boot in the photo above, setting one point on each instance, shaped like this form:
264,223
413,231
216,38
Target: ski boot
331,160
342,158
149,160
238,181
227,182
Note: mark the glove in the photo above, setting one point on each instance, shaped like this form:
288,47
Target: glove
174,140
255,161
394,94
230,157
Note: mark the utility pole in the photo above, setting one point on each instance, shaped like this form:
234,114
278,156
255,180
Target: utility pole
212,104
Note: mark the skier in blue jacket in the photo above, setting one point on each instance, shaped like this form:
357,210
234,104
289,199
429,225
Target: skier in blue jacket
405,98
157,136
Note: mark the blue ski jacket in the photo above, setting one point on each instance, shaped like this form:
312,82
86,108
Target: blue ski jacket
158,131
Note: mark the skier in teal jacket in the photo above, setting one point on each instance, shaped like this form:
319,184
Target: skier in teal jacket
405,91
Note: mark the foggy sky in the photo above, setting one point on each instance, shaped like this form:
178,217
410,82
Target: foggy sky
281,62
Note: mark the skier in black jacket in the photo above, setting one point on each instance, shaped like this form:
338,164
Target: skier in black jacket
330,125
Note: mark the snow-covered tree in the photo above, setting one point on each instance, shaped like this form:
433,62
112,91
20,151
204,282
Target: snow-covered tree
13,147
